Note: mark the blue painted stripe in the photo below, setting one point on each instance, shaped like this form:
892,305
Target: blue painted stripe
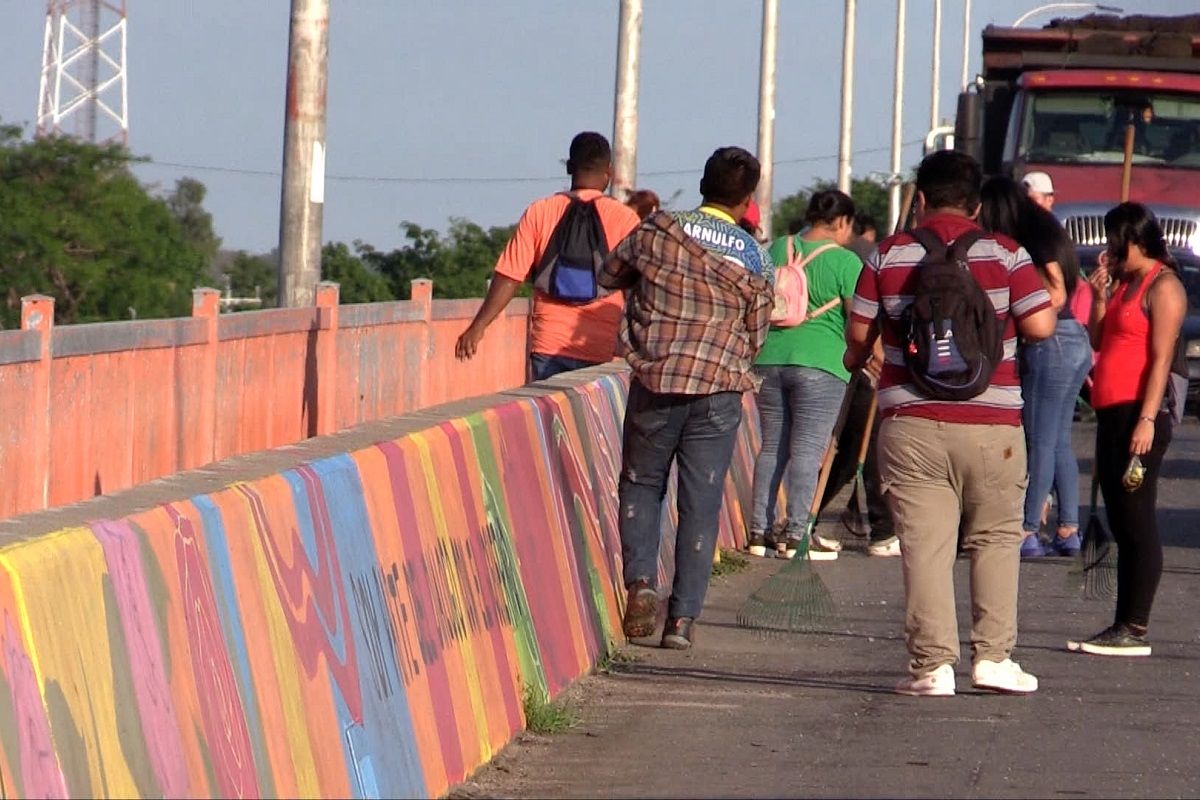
217,548
384,747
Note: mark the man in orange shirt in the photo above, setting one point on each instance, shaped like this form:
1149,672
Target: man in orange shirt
563,335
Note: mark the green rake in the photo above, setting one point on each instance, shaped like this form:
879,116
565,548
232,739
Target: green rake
1094,575
795,599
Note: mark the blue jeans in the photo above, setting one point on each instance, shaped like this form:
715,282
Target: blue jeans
797,409
1052,372
542,366
698,432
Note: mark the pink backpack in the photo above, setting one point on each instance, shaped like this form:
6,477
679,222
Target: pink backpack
791,289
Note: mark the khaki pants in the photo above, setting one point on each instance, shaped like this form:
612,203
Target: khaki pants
938,476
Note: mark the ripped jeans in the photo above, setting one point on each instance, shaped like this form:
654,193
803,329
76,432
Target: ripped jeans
698,433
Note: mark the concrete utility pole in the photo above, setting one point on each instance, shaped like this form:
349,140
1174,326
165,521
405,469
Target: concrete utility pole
847,126
937,64
897,119
625,113
303,204
766,112
966,43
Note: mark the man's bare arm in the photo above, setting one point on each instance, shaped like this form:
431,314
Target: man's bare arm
500,293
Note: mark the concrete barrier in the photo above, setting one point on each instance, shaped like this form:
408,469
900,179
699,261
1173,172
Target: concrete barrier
92,409
356,615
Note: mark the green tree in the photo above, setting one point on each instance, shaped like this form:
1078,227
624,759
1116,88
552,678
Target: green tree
459,263
79,227
187,206
250,275
358,282
868,195
257,275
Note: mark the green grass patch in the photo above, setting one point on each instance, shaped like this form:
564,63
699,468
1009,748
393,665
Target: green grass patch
731,563
614,659
543,715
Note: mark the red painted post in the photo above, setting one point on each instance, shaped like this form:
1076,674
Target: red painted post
37,314
421,291
327,295
206,305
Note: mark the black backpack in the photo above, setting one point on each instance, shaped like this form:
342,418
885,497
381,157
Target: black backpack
574,255
952,338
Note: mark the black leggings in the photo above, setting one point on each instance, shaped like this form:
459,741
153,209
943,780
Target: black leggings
1131,515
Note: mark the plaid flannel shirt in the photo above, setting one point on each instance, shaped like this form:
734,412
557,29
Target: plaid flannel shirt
694,322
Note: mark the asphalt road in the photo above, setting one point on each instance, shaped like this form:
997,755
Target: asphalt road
812,715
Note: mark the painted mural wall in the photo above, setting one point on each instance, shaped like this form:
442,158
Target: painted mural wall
362,625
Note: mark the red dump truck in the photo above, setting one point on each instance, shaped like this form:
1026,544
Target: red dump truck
1059,100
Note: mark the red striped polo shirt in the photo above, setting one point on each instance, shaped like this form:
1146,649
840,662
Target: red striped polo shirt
1012,283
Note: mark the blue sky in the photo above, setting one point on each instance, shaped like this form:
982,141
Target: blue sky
458,89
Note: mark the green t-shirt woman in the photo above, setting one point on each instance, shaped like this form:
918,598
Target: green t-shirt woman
803,380
818,343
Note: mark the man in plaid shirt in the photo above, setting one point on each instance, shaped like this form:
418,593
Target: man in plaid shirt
697,313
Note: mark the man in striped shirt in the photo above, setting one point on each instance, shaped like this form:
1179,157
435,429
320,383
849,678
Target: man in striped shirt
966,455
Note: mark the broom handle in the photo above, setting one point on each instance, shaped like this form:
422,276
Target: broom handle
865,444
1095,486
814,508
910,191
823,478
1127,164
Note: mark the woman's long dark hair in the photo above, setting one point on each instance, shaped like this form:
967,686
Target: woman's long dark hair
1133,224
1005,207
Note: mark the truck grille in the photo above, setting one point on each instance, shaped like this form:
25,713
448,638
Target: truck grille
1088,230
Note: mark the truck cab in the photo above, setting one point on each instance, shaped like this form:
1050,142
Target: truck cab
1071,125
1060,99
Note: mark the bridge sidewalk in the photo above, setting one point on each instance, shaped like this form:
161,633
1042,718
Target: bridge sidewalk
813,715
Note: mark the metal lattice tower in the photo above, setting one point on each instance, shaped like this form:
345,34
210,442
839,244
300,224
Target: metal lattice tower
83,88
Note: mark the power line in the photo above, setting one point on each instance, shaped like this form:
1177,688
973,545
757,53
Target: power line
463,179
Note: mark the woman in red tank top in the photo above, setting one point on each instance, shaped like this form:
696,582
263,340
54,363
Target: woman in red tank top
1138,305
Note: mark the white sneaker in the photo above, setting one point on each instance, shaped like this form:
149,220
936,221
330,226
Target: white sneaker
815,552
1003,676
826,543
938,683
888,548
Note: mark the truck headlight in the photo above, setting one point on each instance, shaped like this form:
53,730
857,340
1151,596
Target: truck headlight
1193,348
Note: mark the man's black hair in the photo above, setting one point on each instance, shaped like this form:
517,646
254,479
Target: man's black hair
730,176
950,179
589,152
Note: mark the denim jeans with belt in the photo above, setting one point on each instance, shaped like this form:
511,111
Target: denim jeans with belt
1052,372
698,432
542,366
797,409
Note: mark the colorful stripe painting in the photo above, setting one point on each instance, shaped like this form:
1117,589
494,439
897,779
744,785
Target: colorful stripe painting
362,625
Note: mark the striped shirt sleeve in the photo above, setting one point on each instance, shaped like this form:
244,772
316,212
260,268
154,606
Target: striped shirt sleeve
866,292
1027,291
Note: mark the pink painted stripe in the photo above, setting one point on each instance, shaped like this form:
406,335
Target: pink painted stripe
152,690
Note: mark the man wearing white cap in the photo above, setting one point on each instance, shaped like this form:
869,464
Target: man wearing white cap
1040,188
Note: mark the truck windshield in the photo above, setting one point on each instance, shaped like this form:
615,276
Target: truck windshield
1088,127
